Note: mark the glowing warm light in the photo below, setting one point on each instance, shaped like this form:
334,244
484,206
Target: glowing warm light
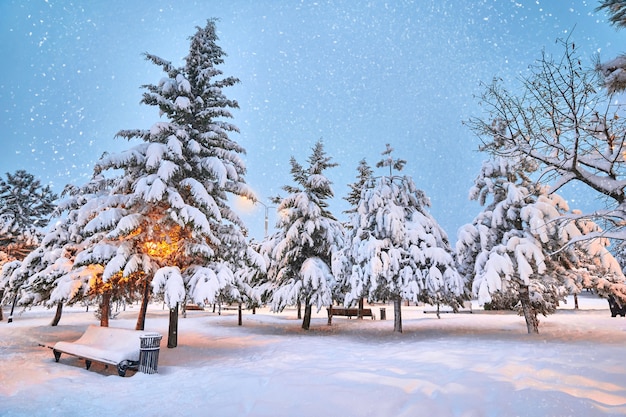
160,249
162,244
244,205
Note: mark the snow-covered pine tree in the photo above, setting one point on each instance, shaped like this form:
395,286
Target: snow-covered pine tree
169,213
25,207
397,249
515,250
299,269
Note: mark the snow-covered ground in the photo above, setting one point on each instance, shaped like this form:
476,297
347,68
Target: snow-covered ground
480,364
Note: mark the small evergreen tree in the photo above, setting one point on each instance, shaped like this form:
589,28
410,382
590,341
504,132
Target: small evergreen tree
301,252
396,250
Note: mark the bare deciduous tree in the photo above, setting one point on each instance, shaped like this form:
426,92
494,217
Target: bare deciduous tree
564,121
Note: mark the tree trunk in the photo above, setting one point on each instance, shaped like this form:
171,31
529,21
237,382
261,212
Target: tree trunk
145,297
105,309
12,308
397,315
530,315
57,314
172,334
239,315
575,301
360,309
299,305
1,297
306,322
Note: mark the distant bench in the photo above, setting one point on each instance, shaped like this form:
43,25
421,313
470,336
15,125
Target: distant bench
348,312
465,308
107,345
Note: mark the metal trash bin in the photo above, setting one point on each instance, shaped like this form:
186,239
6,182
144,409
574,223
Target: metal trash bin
383,313
149,353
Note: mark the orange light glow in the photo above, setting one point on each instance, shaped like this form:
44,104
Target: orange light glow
162,243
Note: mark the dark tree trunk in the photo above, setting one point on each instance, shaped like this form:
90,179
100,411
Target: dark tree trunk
299,305
530,315
12,308
575,301
239,315
397,315
306,321
360,310
105,309
145,298
172,334
330,315
57,314
1,297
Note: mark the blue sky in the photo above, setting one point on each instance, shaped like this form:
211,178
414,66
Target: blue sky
355,74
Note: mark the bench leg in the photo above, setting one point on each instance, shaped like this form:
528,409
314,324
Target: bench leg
57,355
122,367
87,364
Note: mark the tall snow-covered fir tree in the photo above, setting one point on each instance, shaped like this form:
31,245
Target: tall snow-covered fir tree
168,217
515,253
396,250
302,249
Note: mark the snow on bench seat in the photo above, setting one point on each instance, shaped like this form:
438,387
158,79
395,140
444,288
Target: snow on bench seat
108,345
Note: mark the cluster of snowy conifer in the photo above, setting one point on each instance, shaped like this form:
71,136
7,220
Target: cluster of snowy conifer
157,216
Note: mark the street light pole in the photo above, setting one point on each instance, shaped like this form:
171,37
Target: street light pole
267,208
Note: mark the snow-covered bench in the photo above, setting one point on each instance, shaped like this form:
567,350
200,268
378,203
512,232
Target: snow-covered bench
107,345
348,312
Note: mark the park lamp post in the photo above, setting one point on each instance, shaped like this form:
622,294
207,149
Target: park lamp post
267,208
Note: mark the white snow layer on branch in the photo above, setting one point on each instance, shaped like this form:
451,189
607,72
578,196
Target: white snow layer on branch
154,155
192,215
201,196
182,103
150,188
183,84
126,225
98,254
490,278
166,170
316,276
104,220
205,284
169,281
